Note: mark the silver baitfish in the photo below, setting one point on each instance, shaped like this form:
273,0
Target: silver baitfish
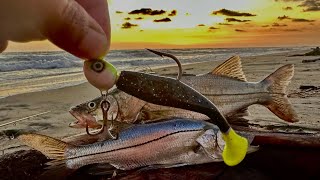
171,143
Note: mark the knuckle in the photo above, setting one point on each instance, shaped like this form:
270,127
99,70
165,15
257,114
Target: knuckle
75,20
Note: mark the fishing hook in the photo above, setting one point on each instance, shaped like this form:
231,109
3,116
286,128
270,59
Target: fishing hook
105,119
105,109
105,106
138,114
110,128
118,111
113,119
162,54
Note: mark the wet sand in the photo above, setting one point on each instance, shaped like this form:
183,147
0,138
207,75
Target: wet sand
59,101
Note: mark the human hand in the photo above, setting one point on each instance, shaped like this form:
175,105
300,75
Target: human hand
81,27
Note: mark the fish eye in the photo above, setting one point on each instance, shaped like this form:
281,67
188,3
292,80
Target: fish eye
98,66
91,105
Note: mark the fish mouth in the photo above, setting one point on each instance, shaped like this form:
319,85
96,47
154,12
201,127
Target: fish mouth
83,120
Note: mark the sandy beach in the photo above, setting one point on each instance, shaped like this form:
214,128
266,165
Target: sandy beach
58,101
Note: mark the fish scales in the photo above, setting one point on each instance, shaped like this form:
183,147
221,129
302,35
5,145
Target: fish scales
226,86
136,142
230,104
171,143
210,84
145,153
229,94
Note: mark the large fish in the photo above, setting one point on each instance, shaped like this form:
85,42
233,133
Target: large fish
171,143
226,86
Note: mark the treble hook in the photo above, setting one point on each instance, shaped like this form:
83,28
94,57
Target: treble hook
105,119
172,57
104,109
118,111
105,106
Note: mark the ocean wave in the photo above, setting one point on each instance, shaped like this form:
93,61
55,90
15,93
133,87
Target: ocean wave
19,62
124,58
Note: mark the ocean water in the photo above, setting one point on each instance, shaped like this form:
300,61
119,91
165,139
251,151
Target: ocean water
22,72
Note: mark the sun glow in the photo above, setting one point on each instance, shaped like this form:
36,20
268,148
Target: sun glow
211,23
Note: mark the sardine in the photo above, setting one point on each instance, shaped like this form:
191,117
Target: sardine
176,142
226,86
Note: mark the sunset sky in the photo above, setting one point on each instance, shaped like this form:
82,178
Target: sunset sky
207,23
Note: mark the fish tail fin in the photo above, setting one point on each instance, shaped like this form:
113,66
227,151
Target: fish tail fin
50,147
54,149
277,84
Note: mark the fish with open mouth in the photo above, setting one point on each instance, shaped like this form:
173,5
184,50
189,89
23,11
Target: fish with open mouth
226,86
171,143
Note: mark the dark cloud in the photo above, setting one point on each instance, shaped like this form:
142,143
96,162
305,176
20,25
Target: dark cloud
119,12
138,18
227,12
283,17
301,20
294,19
312,9
288,8
212,28
288,0
236,20
162,20
201,25
225,24
147,11
173,13
128,25
127,18
310,5
265,26
240,30
278,25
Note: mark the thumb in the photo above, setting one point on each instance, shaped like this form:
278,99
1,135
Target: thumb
70,27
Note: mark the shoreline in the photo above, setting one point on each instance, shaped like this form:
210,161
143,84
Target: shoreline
120,49
58,101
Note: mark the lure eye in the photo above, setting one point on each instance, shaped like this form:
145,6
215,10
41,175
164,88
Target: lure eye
91,105
97,66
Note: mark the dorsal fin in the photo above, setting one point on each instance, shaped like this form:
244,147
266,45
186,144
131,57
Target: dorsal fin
231,68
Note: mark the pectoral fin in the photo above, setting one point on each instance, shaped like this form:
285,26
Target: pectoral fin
209,143
212,143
